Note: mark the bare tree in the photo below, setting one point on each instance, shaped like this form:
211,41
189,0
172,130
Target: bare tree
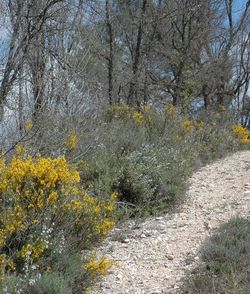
28,21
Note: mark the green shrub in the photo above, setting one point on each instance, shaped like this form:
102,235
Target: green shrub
144,153
230,247
227,261
151,178
148,157
66,276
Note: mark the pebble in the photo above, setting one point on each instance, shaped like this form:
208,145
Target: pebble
207,225
170,257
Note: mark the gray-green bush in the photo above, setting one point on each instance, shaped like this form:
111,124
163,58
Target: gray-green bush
227,261
146,154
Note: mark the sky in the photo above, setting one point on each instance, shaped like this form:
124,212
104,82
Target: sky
239,5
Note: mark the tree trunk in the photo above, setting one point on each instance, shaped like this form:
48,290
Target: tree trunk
133,89
111,52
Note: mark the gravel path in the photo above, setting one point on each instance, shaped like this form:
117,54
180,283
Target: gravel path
155,255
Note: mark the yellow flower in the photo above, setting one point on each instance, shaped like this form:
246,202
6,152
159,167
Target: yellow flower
19,149
39,249
11,265
114,196
28,125
105,226
149,119
170,109
221,108
110,207
2,266
100,267
3,185
72,141
26,251
40,203
199,125
74,190
52,197
245,140
77,204
138,117
30,206
34,251
177,138
187,125
2,237
89,200
97,209
242,133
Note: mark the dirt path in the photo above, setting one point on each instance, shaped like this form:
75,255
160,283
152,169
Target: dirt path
155,255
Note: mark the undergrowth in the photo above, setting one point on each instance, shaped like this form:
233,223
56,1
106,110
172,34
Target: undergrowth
226,256
64,193
146,154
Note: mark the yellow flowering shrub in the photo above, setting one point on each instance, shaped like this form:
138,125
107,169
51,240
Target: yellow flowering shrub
33,251
195,125
28,125
199,125
72,141
242,133
98,267
42,201
170,109
120,111
187,126
140,115
2,266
